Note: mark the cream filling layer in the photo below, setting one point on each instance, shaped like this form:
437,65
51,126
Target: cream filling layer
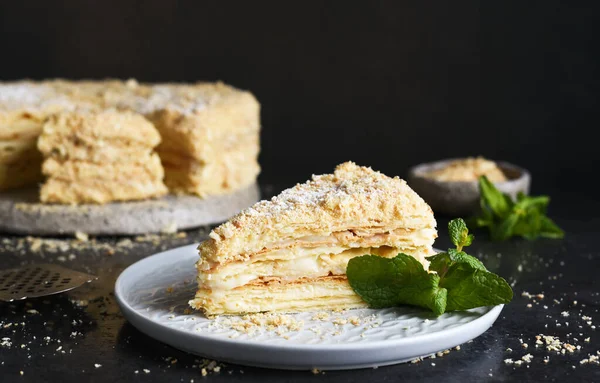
289,298
352,238
288,264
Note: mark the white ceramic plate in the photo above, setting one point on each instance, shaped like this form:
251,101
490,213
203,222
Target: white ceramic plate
153,295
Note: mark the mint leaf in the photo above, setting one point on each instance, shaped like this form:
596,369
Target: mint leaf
384,282
462,257
529,224
441,262
375,279
504,218
459,234
539,203
469,288
549,229
425,292
499,204
504,229
439,301
457,229
468,240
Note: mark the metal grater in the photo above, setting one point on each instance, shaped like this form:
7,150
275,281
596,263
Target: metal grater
39,280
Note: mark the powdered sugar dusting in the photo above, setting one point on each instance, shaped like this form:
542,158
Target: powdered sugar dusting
25,95
181,99
186,99
149,99
348,180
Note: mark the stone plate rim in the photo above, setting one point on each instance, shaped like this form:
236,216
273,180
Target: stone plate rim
21,213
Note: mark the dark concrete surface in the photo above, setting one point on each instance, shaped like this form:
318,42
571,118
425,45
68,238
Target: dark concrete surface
65,339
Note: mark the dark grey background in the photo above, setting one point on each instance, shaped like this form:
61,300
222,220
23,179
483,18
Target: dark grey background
384,83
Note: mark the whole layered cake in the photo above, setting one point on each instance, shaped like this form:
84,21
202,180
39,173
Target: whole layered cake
104,141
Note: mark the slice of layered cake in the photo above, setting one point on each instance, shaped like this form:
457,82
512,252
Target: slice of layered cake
290,253
99,157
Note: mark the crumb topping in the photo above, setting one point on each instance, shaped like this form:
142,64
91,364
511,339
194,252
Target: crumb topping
468,169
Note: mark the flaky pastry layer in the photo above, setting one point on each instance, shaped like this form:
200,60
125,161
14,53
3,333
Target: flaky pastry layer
96,129
99,191
141,168
231,172
323,293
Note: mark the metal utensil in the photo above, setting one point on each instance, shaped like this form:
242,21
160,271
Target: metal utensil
39,280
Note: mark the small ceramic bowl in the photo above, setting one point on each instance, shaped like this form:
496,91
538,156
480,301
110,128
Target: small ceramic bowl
460,198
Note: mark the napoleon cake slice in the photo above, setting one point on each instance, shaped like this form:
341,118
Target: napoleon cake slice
210,136
290,253
98,157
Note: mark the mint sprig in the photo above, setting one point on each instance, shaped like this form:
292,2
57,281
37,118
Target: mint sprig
385,282
505,218
459,281
459,234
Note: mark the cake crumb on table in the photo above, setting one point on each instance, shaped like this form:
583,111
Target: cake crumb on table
81,236
321,316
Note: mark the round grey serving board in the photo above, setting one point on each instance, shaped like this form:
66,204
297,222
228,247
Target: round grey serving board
22,213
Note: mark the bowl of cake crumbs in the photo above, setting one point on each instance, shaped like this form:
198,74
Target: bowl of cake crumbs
451,186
